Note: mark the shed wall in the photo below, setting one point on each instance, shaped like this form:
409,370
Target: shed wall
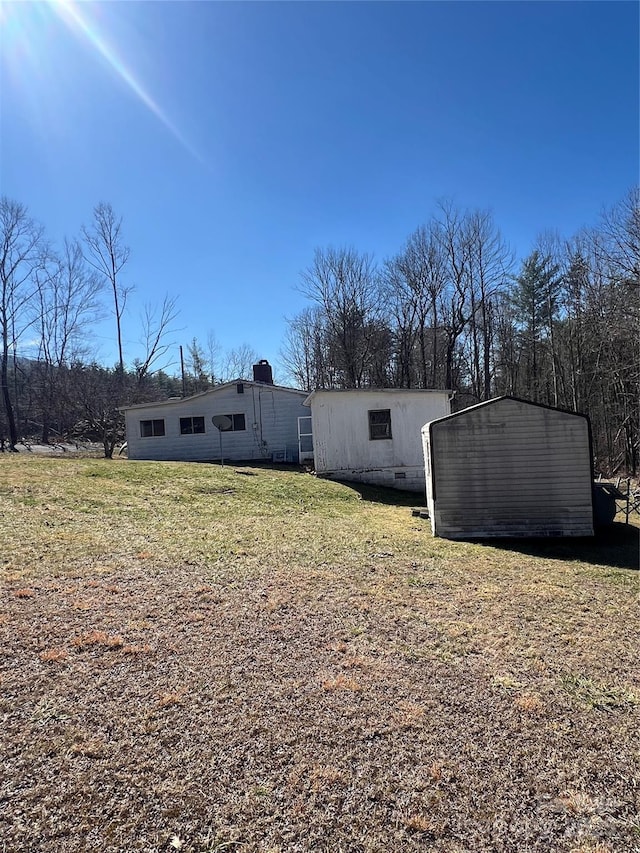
341,443
271,419
509,468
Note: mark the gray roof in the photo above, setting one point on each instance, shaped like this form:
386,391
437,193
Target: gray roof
174,401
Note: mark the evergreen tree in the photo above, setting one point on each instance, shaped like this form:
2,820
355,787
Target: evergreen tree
535,300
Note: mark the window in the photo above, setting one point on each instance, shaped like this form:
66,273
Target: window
237,423
240,387
151,429
190,426
379,424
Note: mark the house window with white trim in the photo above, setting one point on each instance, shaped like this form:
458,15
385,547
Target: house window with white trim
191,426
379,424
152,429
237,423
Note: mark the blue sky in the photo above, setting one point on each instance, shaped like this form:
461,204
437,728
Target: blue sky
234,138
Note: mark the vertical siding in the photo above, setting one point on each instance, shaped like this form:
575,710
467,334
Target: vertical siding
271,418
341,444
509,468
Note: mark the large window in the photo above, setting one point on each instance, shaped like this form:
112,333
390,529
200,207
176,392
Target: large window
237,423
379,424
151,429
191,426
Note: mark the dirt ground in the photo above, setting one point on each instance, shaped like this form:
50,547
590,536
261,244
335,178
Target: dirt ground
150,712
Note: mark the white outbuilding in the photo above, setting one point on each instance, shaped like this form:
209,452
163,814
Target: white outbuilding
509,467
237,421
373,435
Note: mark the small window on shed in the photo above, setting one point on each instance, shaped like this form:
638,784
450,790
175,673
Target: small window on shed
379,424
191,426
240,387
151,429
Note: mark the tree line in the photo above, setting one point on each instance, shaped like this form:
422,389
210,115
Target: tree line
451,309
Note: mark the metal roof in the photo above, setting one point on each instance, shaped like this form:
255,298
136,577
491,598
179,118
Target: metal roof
174,401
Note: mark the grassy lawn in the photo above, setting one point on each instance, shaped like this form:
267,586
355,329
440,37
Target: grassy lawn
231,659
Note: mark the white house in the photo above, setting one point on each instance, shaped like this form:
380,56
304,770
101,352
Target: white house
373,436
509,467
256,420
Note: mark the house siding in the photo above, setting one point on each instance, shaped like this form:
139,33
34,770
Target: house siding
271,419
509,468
341,443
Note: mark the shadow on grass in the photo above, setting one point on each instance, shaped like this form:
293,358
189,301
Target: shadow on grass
616,545
375,494
385,495
258,464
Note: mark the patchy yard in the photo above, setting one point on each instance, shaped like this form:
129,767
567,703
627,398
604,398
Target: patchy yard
204,658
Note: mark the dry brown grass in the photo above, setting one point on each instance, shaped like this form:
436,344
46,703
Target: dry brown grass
24,593
98,638
212,662
137,649
341,682
54,655
530,703
173,697
424,824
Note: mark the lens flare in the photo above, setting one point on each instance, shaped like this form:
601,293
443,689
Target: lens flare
82,25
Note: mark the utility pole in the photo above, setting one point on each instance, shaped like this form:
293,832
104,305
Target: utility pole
184,384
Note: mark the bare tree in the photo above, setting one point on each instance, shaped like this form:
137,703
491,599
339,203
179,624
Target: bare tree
68,302
455,239
413,282
213,355
20,255
107,254
345,285
238,363
613,321
156,324
305,352
617,239
96,393
490,267
403,311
